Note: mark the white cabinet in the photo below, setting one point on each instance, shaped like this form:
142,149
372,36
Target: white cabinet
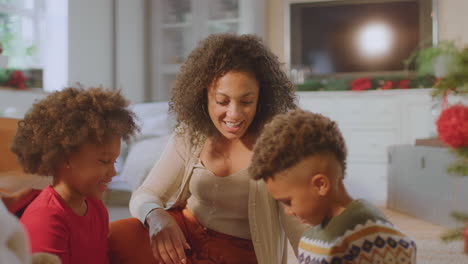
178,25
372,121
419,184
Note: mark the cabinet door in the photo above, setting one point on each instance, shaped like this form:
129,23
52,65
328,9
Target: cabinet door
172,28
420,186
223,16
177,26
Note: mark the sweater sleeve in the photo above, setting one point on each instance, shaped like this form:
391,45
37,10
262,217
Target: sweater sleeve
48,232
380,246
366,244
163,182
292,227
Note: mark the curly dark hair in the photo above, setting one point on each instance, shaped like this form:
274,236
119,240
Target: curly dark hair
63,121
215,56
289,138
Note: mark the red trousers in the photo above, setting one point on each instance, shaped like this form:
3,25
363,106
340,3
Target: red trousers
129,243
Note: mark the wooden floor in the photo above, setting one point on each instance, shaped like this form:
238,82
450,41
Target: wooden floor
431,249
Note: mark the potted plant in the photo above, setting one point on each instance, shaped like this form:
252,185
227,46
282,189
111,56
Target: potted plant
452,123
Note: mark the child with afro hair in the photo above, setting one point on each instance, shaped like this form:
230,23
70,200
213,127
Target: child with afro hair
73,135
302,158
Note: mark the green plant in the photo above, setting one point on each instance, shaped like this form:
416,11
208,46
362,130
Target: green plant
456,233
424,59
455,80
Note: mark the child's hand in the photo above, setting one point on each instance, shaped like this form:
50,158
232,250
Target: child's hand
167,240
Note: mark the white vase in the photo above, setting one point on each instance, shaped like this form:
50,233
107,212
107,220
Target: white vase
3,61
443,64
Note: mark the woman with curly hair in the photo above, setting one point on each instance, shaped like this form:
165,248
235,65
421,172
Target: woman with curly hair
73,135
198,204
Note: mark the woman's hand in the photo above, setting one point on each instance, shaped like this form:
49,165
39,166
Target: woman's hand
166,237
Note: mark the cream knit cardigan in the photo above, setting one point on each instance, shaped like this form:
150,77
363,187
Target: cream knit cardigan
167,186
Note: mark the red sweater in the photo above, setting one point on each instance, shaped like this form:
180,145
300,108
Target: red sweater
54,228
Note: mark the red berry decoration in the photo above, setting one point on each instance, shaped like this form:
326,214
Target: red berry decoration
452,126
17,80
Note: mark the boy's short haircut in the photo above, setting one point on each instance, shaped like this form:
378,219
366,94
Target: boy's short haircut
291,137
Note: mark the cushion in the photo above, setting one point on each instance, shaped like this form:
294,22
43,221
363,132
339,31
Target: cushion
153,118
141,158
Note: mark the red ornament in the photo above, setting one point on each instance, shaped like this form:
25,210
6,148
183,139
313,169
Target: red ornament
387,85
17,80
361,84
403,84
452,126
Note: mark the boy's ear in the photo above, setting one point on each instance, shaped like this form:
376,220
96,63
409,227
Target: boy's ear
321,184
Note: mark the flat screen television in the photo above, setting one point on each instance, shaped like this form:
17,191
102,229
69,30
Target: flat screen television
349,37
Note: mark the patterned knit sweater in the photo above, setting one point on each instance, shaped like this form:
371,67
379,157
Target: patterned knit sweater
360,234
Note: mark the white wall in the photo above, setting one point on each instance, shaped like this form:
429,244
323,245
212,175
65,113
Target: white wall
55,51
90,40
107,45
274,35
131,52
453,20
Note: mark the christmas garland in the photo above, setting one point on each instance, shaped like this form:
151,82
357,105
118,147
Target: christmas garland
13,78
367,83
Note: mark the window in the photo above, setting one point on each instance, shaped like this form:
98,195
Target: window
34,36
21,25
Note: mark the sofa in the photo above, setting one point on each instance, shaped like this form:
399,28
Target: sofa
138,156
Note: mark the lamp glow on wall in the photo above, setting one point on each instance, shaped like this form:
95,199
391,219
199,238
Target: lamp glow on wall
374,39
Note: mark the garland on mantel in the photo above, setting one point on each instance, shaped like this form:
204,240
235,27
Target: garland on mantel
335,83
14,79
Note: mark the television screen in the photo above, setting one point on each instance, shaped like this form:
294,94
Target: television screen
352,36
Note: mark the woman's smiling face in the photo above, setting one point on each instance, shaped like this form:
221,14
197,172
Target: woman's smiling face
232,103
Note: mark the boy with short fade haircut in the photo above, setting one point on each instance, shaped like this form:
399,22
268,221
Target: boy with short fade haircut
302,158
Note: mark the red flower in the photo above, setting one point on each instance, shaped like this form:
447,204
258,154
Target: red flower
17,80
403,84
452,126
361,84
387,85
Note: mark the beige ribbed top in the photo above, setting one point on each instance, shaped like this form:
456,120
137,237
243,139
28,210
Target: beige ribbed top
220,203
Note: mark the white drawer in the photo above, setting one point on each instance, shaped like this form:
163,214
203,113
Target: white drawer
369,145
371,113
327,108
